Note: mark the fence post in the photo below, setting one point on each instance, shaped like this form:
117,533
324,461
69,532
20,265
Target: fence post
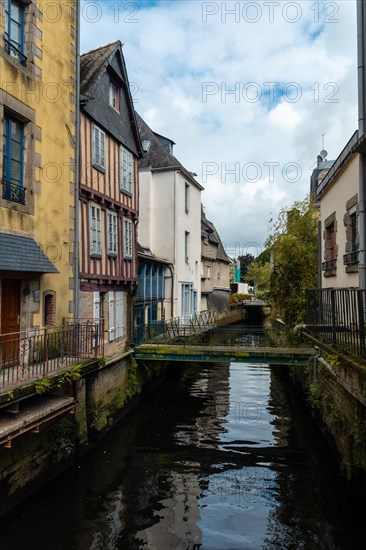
333,310
361,321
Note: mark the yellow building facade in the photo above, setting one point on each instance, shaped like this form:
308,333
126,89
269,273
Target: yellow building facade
37,162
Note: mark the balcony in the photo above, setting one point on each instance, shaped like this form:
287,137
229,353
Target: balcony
330,266
13,51
13,192
351,258
37,353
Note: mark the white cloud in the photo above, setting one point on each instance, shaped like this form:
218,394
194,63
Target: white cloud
171,53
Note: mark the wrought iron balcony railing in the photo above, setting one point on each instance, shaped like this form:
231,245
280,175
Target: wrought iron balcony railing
13,192
13,51
329,265
351,258
37,353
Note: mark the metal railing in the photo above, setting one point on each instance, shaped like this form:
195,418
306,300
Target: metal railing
14,51
35,353
178,327
329,265
351,258
338,317
13,192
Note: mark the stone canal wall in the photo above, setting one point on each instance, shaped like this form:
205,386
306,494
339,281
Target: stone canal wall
335,390
46,427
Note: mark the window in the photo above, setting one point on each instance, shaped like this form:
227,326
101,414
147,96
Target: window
112,236
127,238
186,246
98,147
49,308
126,175
13,152
350,258
330,254
14,30
114,95
186,198
115,315
331,238
95,230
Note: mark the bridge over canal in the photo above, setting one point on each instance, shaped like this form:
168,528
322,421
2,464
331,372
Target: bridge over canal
234,343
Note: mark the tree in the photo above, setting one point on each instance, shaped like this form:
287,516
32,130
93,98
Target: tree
245,262
259,275
294,245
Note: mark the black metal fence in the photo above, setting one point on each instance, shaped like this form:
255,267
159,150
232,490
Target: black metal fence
35,353
338,317
178,327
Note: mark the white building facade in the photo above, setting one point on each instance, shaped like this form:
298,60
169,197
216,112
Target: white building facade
170,222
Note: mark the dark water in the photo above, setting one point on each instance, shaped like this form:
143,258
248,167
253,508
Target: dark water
220,457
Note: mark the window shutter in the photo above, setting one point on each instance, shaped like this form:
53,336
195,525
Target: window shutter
96,305
119,315
111,318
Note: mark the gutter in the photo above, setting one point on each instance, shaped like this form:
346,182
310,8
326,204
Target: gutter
77,164
361,13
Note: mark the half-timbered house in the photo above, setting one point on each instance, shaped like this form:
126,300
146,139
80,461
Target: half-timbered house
110,149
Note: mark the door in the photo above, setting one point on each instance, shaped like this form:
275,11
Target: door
10,321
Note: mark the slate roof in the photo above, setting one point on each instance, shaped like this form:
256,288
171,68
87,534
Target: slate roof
23,254
97,68
158,156
213,237
91,65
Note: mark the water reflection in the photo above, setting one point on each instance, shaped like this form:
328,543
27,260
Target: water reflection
220,457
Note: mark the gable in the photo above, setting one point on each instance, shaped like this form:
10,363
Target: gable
121,125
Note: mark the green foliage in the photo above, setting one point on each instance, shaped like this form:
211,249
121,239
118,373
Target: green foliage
259,274
134,385
245,262
100,419
10,395
42,385
294,243
236,298
60,437
264,257
70,375
315,393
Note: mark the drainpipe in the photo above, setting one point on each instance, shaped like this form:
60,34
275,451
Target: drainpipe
175,240
361,130
77,164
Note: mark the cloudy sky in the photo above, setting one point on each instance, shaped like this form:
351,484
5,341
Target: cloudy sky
245,89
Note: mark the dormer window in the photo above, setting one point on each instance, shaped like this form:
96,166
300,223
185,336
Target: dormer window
114,95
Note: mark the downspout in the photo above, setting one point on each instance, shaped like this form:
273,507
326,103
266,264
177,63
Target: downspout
77,165
361,130
175,240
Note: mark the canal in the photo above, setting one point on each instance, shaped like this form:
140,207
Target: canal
218,457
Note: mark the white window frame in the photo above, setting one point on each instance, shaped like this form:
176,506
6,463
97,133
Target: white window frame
119,324
186,246
96,305
112,233
111,317
186,198
113,95
115,315
95,231
127,238
98,147
126,171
